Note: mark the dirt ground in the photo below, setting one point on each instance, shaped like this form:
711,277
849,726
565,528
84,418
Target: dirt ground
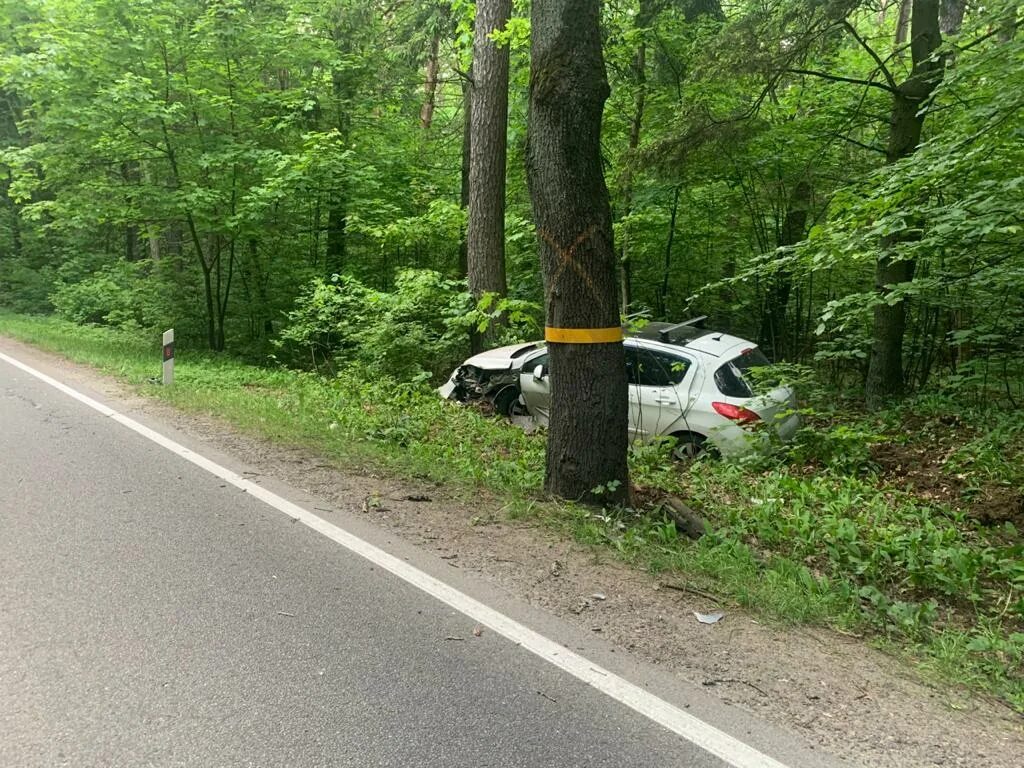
837,691
921,467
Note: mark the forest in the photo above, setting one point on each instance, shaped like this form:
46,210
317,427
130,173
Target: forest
785,168
343,188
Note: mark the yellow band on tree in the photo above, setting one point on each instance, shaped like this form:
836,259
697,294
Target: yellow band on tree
583,335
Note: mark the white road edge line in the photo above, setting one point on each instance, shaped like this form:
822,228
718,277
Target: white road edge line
733,751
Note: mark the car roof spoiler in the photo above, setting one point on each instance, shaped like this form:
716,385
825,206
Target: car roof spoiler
677,334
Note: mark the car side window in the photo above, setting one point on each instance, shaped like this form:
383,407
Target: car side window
651,369
671,369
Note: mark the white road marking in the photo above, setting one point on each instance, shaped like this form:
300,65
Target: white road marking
733,751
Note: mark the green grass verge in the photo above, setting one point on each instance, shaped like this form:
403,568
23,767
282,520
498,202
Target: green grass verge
827,547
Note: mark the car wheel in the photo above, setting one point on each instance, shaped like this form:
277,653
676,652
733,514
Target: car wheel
689,446
506,402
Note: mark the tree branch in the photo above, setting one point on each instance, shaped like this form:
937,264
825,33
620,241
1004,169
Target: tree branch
841,79
871,52
861,144
992,33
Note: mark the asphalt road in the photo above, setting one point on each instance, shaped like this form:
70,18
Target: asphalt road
153,615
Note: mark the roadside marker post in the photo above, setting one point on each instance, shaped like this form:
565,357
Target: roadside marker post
168,357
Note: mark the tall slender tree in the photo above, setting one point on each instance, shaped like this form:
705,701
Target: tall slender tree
885,366
488,150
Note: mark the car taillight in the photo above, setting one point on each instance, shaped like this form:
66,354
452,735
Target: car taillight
736,412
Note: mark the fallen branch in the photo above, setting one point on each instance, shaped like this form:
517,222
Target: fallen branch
692,591
688,522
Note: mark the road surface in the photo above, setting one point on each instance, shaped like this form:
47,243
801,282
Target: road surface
153,613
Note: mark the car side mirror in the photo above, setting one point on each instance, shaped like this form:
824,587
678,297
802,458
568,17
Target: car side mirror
538,373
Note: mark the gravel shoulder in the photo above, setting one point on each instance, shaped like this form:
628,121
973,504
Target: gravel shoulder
853,700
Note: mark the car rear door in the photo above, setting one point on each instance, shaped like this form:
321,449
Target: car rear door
654,400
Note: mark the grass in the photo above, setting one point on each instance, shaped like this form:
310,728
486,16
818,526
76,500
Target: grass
406,429
815,535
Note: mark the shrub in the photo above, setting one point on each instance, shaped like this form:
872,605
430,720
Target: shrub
121,295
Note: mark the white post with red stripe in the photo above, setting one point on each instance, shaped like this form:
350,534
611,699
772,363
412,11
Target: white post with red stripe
168,357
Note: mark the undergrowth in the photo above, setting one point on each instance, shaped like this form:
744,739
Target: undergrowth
816,533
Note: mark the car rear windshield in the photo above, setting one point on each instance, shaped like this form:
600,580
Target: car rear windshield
734,378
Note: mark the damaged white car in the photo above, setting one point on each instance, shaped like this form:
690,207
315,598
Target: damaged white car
689,383
491,377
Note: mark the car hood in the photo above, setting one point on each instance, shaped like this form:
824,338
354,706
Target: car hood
508,358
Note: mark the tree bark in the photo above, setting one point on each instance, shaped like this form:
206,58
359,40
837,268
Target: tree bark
337,198
643,19
485,236
1008,29
903,21
951,16
667,271
587,442
467,140
780,286
430,84
885,366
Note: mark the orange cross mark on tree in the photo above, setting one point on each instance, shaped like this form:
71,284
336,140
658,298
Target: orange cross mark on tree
566,256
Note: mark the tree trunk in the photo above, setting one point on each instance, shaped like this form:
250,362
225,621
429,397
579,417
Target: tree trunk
1008,29
885,366
780,285
951,16
14,213
666,273
643,20
132,176
467,135
587,442
903,21
430,84
337,202
485,236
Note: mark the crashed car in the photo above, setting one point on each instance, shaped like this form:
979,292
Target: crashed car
491,377
692,384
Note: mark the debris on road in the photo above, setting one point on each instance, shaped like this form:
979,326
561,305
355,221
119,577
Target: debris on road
709,618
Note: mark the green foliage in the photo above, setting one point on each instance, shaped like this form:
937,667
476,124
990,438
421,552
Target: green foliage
416,331
325,322
123,295
404,333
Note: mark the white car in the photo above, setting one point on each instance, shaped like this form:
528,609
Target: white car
691,384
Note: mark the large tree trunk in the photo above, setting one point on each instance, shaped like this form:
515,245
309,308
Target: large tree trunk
587,440
885,366
485,237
